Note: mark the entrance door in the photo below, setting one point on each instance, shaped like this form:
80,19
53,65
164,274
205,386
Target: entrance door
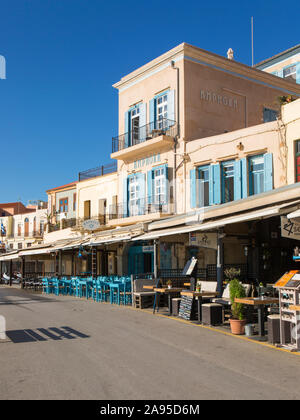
134,193
135,126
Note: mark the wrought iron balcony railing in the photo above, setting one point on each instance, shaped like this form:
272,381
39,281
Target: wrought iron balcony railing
140,207
100,171
147,132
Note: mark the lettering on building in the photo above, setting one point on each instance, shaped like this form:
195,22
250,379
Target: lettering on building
150,160
215,98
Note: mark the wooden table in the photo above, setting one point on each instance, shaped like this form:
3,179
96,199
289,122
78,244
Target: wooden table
260,303
199,296
149,287
165,290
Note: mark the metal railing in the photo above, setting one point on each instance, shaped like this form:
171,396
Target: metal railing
163,127
140,207
99,171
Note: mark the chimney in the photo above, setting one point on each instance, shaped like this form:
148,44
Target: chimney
230,54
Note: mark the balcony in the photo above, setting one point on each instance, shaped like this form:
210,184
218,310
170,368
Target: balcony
141,207
99,171
150,138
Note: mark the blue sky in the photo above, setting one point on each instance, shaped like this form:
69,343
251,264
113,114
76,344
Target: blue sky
58,110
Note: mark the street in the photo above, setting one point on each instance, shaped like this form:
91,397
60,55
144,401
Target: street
66,348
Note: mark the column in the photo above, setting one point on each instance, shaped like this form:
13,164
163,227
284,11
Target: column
220,262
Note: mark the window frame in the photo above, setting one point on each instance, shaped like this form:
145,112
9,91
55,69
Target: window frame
63,205
223,178
250,173
200,169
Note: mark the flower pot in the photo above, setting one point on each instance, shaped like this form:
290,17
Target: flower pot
237,326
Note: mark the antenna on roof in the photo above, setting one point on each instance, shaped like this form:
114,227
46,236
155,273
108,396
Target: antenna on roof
252,49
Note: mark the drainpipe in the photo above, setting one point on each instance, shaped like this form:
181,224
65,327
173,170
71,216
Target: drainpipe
176,137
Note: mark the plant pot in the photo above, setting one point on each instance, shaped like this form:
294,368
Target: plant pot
237,326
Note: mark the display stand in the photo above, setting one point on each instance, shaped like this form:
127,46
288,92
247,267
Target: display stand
190,270
289,304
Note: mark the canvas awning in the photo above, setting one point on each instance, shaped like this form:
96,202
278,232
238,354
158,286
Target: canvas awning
99,241
9,257
244,217
294,214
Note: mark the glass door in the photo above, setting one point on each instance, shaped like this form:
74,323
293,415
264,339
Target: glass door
162,112
159,186
134,191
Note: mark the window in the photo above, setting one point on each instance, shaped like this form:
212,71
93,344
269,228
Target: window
203,186
297,155
227,182
269,115
19,229
135,125
63,205
87,210
42,227
20,245
134,193
256,174
162,111
290,73
159,185
74,202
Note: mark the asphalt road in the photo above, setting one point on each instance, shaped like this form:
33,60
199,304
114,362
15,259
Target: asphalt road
65,348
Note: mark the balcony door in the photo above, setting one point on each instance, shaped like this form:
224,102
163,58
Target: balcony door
134,194
159,185
135,126
26,227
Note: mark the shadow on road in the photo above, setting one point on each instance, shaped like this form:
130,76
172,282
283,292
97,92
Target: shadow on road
43,334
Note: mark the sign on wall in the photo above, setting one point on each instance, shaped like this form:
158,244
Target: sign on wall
290,228
204,240
91,224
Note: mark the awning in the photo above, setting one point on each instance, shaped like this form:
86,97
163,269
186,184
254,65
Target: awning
294,214
40,251
9,257
248,216
102,241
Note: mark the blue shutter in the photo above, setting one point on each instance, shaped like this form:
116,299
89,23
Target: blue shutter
126,137
193,187
268,171
244,178
171,106
152,114
150,187
217,183
142,195
298,73
125,197
211,185
237,180
166,184
142,122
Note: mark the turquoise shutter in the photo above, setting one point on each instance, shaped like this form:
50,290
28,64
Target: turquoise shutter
152,114
193,187
171,107
150,187
215,184
268,171
142,122
142,195
244,178
237,180
126,136
298,73
166,184
211,185
125,197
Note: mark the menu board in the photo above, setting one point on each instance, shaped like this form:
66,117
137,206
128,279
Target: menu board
286,278
189,267
187,309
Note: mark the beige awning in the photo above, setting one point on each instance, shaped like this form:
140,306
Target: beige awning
99,241
9,257
40,251
294,214
248,216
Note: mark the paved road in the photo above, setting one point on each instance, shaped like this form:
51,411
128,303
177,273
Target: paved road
65,348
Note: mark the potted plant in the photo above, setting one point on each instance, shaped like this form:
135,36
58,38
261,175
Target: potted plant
198,286
237,321
169,284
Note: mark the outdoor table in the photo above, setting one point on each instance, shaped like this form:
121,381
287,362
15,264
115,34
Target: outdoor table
86,284
261,304
199,296
169,292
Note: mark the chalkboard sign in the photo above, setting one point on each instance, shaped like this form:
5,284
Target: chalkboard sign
188,308
189,267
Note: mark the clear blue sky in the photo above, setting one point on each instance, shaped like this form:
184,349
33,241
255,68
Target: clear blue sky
58,110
